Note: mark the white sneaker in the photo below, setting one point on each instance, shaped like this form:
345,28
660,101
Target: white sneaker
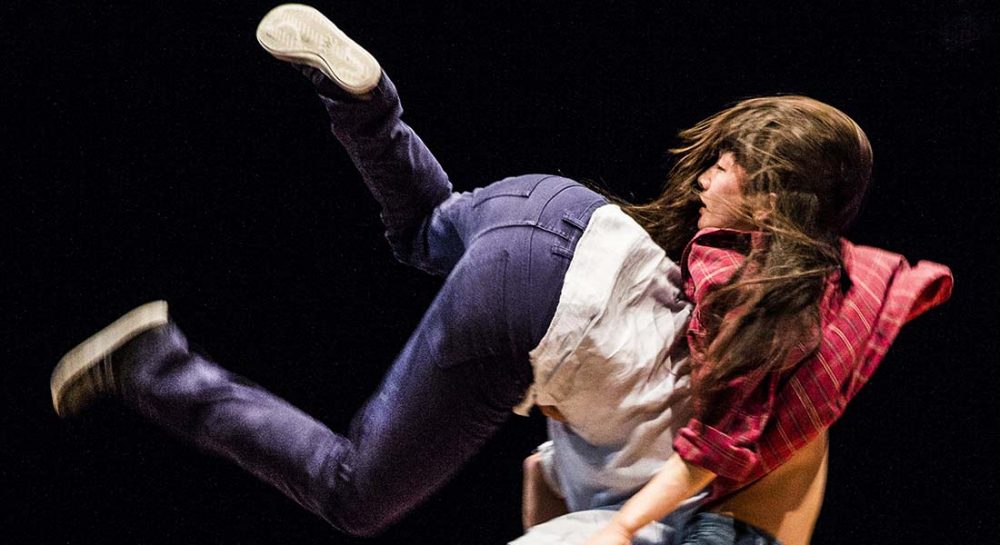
89,372
302,35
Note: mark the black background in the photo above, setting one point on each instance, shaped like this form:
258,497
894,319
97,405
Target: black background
153,150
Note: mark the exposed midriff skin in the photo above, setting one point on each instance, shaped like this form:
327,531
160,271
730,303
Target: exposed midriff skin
785,502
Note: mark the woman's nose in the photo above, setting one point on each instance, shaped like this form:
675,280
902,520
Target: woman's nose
703,180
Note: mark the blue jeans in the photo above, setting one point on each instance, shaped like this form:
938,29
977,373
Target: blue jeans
716,529
504,248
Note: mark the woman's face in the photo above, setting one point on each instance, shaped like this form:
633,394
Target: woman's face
722,193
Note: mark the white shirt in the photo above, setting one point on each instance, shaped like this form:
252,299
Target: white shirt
606,362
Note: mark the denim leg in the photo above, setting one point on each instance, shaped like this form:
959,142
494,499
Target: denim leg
451,387
401,173
448,391
229,416
466,365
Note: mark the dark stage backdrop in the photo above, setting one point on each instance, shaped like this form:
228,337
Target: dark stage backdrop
153,150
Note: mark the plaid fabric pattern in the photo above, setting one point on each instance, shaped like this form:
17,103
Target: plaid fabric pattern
771,417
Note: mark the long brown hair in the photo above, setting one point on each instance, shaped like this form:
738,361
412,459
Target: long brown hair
808,166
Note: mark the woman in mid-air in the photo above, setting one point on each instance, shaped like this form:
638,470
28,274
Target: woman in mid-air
684,349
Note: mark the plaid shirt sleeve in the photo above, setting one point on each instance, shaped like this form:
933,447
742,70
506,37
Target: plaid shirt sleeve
770,417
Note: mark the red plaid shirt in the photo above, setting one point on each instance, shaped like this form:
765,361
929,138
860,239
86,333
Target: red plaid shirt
771,417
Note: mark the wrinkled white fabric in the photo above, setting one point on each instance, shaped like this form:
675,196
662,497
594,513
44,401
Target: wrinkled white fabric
576,528
609,362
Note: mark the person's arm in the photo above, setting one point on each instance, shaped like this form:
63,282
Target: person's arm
539,502
677,481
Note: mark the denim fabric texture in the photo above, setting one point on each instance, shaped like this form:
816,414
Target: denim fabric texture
716,529
504,250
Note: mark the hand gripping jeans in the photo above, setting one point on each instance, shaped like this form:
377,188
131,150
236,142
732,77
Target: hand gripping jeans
504,248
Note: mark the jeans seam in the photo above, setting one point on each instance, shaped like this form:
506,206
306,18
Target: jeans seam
563,251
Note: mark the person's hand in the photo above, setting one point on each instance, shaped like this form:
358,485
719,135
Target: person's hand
612,534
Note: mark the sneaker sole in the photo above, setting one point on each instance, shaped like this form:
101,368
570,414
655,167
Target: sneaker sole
105,341
301,34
